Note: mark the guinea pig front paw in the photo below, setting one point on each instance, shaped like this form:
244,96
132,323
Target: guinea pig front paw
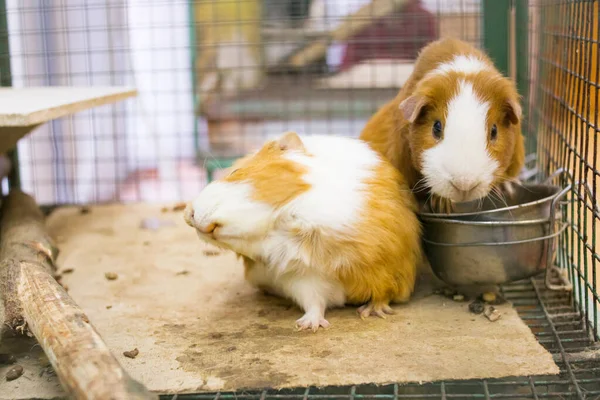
378,309
311,321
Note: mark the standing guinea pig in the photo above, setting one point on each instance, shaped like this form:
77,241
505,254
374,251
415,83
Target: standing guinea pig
323,221
454,129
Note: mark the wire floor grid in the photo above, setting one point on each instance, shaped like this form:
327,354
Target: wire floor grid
552,317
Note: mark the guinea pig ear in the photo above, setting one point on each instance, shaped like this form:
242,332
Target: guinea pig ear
290,141
411,107
513,111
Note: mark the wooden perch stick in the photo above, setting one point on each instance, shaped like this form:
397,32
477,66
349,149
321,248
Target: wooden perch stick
351,25
34,303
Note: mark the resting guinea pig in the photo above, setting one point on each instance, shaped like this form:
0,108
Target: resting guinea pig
454,128
324,221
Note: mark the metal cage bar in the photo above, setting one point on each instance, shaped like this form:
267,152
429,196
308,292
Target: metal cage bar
496,32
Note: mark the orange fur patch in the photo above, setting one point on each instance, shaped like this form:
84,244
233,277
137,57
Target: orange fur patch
382,270
388,270
276,180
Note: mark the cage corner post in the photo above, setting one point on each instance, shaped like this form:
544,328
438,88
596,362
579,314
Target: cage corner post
496,32
521,41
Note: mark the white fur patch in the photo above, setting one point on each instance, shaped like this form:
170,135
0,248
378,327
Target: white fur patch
230,205
337,170
309,289
467,64
462,158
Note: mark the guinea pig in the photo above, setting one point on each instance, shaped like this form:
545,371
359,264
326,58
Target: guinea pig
454,128
321,220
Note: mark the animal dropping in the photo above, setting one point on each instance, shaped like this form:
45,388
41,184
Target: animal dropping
111,276
315,220
179,207
14,372
492,314
476,307
132,353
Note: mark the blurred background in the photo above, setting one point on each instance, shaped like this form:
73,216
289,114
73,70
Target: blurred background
215,79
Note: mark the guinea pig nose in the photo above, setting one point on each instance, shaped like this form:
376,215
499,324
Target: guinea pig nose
210,228
463,186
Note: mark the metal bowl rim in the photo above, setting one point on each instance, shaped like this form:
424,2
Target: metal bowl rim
498,210
538,221
550,236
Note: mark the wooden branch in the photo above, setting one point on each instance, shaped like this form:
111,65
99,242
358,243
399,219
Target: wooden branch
351,25
22,238
35,303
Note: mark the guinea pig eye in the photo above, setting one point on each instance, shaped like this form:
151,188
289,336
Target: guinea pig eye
437,130
494,132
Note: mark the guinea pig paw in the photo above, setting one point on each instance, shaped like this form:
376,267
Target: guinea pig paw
379,310
312,322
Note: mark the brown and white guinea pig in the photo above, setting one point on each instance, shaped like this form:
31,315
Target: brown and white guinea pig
454,128
324,221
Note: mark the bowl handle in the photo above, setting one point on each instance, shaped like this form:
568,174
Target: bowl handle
551,268
559,173
593,204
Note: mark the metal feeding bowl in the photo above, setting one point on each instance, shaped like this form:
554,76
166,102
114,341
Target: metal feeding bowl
495,241
531,201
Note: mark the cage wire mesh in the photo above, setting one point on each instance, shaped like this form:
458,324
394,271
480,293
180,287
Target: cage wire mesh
564,125
113,152
216,78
